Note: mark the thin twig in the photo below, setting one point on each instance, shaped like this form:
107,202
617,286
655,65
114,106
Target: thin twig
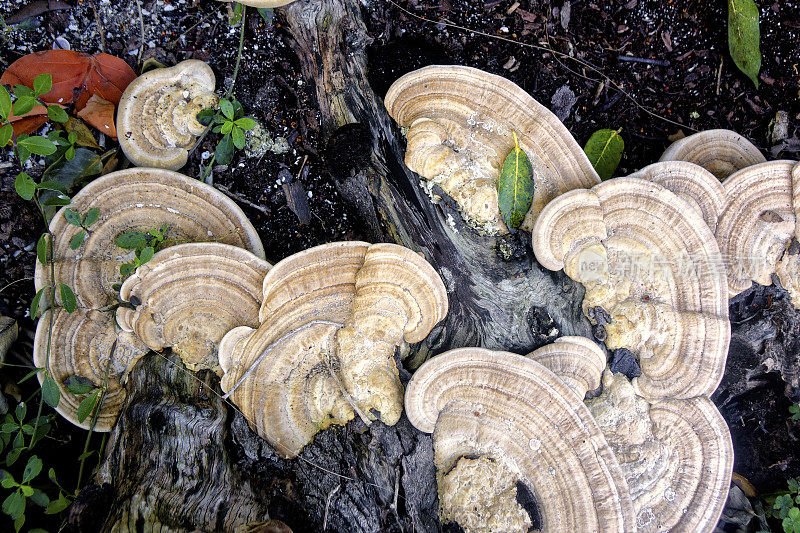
15,281
583,64
229,92
634,59
141,33
328,504
100,31
242,199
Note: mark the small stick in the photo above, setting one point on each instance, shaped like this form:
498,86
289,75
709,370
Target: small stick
239,198
328,504
141,32
633,59
719,75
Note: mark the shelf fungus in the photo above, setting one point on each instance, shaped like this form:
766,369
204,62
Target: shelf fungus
758,231
504,428
332,318
85,343
699,187
721,152
676,455
577,361
459,123
138,199
189,296
650,262
157,115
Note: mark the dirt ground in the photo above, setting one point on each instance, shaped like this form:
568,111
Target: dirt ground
656,69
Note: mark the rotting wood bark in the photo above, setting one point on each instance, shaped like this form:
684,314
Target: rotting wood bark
181,458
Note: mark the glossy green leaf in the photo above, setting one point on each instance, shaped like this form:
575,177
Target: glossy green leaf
744,36
23,105
205,116
35,302
604,150
73,217
87,406
42,248
68,300
226,128
131,240
57,114
32,469
145,255
79,385
246,123
23,91
50,392
38,145
13,455
515,187
76,241
6,132
25,186
42,84
5,103
39,498
126,269
20,411
7,480
227,108
30,374
51,185
57,201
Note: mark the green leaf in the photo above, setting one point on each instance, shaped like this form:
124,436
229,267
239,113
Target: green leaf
51,185
41,248
238,110
744,36
42,84
74,172
68,300
58,505
19,522
50,392
604,150
25,186
13,455
6,132
266,14
69,155
91,217
226,128
27,429
22,90
515,188
7,480
40,498
205,116
5,104
9,427
30,374
131,240
73,217
57,114
14,504
38,145
145,255
237,134
227,108
35,302
126,269
794,486
87,406
86,454
32,469
795,410
57,201
23,105
26,490
76,241
246,123
224,152
782,504
79,385
20,411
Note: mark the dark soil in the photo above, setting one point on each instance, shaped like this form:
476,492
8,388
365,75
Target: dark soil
683,45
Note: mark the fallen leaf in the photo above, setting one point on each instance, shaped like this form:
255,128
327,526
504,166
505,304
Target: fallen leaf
100,114
744,37
83,135
76,75
36,8
604,150
30,121
515,187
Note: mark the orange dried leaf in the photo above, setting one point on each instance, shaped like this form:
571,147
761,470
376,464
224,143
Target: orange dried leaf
29,122
76,75
100,114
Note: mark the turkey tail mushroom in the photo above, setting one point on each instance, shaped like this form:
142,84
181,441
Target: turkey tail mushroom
721,152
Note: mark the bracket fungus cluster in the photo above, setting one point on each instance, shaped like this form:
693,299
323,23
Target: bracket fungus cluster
189,296
505,424
721,152
157,115
459,124
87,342
331,319
650,266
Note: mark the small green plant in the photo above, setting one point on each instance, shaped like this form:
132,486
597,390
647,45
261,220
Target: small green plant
230,121
82,222
786,507
795,411
144,245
